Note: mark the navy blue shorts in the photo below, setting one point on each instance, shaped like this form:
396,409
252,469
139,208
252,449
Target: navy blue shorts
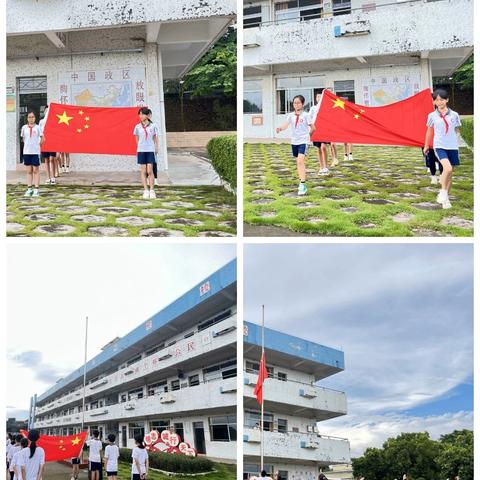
31,160
143,158
75,461
450,155
49,154
319,144
111,474
95,466
299,149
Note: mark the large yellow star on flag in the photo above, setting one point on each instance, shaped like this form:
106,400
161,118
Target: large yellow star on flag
75,441
338,103
64,118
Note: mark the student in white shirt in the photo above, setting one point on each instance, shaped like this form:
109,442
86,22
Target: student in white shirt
146,136
9,444
14,462
31,460
301,126
443,125
111,458
50,157
94,456
11,452
32,136
139,460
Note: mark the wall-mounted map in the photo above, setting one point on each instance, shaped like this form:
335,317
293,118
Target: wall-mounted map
379,91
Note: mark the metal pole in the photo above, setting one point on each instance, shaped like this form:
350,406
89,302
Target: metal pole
84,372
263,390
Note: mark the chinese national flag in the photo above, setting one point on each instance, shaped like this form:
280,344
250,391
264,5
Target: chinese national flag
60,448
262,376
400,123
78,129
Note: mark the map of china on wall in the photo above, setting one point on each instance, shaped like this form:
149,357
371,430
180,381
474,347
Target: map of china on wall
379,91
103,88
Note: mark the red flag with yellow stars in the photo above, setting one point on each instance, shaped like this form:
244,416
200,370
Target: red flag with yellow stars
77,129
61,448
400,123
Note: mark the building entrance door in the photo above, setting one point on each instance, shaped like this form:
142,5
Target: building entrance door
199,437
32,93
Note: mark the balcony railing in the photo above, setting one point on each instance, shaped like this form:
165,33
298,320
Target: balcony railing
216,336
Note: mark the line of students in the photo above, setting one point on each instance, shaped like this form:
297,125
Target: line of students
140,464
146,137
442,127
25,460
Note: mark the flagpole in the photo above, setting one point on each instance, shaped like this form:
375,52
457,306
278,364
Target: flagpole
263,390
84,372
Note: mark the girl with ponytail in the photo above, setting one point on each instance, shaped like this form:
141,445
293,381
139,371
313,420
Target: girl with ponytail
32,459
140,459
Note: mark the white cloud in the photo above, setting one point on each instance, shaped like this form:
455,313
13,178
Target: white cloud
365,431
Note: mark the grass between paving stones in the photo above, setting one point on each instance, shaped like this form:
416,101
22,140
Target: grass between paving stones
222,472
337,205
217,216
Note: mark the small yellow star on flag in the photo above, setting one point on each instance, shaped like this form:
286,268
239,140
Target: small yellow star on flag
356,116
86,126
87,119
338,103
80,112
64,118
79,130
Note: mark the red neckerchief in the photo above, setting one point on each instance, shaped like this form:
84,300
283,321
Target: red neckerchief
296,120
145,130
31,130
445,121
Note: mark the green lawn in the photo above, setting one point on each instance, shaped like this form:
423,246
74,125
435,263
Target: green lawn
80,211
222,472
384,191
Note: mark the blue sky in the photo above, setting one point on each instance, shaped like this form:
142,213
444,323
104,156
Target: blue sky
402,314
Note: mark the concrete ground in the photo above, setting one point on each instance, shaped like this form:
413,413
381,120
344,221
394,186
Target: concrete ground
186,168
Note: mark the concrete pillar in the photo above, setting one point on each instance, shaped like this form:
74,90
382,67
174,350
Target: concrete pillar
425,74
163,126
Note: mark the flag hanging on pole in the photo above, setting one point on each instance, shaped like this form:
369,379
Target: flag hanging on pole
60,448
400,123
262,376
77,129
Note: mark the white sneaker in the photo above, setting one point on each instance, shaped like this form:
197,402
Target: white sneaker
345,157
442,196
53,181
67,169
28,193
146,194
35,193
350,156
335,162
326,171
48,181
152,194
302,189
156,182
433,180
446,204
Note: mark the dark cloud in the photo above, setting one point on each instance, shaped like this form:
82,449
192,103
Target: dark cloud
33,361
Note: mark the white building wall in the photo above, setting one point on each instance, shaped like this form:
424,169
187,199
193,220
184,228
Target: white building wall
360,76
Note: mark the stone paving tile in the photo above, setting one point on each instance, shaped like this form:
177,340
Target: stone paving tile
384,191
121,211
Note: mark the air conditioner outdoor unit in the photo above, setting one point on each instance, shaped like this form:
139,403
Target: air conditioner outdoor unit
129,406
167,398
307,393
350,29
309,444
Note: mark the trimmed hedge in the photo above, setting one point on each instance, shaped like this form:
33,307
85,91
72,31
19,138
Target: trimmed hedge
466,130
172,462
222,151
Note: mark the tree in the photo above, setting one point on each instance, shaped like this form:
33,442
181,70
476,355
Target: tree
463,76
456,457
371,465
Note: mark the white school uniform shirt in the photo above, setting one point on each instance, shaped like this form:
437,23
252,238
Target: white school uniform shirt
300,129
32,465
443,138
14,463
94,449
11,452
31,138
141,455
112,453
145,136
313,112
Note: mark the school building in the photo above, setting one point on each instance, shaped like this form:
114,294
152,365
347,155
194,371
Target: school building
372,52
103,53
177,371
294,404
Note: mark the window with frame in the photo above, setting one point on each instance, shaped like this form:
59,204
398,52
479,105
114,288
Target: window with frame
156,388
136,428
345,89
252,96
283,474
282,376
135,394
222,370
178,427
214,320
159,425
193,380
290,87
342,7
175,385
223,428
282,425
254,367
252,16
252,420
252,469
298,10
133,360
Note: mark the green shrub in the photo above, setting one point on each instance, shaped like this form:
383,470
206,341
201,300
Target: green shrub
172,462
222,151
466,130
